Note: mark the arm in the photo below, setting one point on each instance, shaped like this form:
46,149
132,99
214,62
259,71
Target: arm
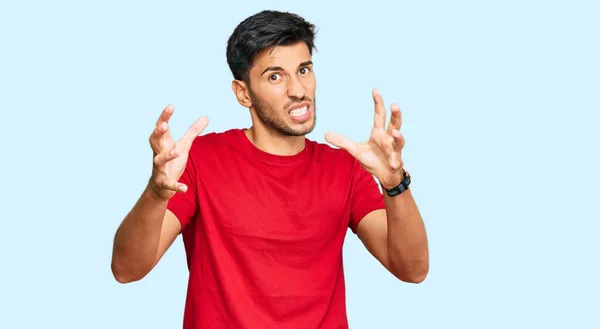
396,237
149,229
142,238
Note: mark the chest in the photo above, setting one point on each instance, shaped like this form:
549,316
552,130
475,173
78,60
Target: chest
294,205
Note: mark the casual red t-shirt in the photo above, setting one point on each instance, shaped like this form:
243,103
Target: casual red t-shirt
263,233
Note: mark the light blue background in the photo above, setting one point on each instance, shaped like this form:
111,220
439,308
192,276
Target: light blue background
500,103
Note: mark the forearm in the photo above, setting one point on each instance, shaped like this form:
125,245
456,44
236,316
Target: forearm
136,241
407,239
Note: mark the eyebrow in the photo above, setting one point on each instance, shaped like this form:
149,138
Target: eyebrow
279,68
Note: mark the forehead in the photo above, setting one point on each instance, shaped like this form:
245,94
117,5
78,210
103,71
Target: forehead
287,57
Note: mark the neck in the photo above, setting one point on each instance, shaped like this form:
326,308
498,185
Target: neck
274,143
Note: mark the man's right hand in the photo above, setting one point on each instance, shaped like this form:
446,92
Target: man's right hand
170,157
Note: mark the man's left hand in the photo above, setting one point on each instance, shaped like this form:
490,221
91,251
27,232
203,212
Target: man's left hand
381,155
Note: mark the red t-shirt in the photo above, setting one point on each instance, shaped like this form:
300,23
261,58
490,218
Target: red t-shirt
263,233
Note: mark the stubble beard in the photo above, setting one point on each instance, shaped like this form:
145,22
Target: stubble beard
273,119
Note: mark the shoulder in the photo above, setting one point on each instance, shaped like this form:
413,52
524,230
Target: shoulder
215,140
331,155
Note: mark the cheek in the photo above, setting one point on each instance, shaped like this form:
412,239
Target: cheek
274,96
270,92
278,95
311,84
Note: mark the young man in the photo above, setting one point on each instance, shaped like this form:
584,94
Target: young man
264,211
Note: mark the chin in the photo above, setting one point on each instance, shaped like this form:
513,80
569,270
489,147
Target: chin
302,129
287,126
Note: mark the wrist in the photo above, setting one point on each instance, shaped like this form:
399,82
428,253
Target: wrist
156,194
399,187
391,183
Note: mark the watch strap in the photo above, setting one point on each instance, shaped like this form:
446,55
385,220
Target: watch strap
403,186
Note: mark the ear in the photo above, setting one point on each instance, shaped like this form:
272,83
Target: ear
240,89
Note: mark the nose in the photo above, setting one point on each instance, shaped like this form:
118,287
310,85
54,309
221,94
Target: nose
295,88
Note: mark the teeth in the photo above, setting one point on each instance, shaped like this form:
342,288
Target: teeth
299,112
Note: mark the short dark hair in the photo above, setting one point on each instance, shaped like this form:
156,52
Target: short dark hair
264,30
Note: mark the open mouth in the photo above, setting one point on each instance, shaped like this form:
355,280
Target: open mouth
300,112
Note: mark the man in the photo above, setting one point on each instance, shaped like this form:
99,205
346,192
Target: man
264,211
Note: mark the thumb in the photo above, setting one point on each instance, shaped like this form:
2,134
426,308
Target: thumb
195,129
341,142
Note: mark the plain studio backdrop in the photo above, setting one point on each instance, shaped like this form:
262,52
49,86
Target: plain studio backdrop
500,102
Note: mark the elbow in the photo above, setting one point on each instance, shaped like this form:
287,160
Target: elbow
123,279
123,276
414,277
414,273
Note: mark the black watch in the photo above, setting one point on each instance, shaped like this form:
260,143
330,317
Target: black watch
403,186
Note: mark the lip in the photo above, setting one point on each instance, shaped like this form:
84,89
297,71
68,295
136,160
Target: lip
307,104
305,116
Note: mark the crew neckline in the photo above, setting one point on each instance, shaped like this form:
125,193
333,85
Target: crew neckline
255,153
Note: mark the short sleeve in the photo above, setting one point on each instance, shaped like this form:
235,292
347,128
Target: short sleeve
365,196
185,205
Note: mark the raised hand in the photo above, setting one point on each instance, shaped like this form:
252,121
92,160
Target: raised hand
170,157
381,155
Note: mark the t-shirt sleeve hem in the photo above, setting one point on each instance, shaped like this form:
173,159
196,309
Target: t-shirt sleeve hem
362,214
179,214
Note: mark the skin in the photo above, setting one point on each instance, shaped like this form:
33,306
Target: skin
149,229
279,79
396,236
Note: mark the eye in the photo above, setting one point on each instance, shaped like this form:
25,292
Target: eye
304,70
275,77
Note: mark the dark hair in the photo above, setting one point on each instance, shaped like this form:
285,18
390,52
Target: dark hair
264,30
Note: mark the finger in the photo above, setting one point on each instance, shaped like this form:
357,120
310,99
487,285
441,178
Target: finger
162,129
165,115
157,134
395,119
396,134
195,129
173,186
395,156
181,187
379,110
395,163
341,142
164,157
398,141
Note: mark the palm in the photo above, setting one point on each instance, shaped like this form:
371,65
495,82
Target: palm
381,155
170,157
372,155
175,167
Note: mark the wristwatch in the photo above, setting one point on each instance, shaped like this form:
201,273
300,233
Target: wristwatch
403,186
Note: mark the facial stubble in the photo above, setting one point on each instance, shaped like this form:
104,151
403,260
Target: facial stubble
274,119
